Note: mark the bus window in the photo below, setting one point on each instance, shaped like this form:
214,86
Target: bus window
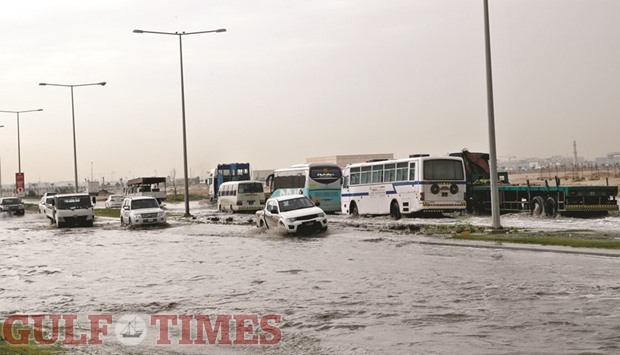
443,169
402,171
412,172
253,187
389,175
377,174
366,175
355,176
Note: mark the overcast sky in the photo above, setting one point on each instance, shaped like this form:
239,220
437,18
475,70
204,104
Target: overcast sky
295,78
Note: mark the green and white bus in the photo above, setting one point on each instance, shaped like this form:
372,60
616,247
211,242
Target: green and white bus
320,182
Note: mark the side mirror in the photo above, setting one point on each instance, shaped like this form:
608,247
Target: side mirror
317,204
126,208
273,210
94,200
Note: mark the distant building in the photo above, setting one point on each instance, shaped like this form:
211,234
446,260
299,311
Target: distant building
610,159
344,160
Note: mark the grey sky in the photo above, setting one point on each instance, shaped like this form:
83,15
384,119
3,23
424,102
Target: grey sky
292,79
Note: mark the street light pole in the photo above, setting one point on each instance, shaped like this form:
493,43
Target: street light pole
491,112
75,169
1,192
19,154
185,169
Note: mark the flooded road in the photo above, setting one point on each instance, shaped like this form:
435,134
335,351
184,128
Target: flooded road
349,291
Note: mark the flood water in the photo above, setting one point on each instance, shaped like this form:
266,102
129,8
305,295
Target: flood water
350,291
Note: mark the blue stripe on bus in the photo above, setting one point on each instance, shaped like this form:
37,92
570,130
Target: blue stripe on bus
357,194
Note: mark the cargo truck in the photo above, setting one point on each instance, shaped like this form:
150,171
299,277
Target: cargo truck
543,199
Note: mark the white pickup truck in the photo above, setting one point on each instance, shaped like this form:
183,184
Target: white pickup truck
71,210
292,214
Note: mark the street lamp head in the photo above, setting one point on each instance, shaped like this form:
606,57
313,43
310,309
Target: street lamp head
221,30
42,84
138,31
102,83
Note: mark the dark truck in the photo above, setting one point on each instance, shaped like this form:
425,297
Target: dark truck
547,199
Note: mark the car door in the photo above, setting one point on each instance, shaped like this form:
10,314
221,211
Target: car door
272,215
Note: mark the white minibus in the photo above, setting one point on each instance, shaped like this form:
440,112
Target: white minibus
236,196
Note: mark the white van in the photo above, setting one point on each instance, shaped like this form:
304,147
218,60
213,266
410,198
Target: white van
72,209
235,196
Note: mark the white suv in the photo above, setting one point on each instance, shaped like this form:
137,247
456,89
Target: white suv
142,210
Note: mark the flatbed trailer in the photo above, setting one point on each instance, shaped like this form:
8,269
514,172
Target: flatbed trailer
548,199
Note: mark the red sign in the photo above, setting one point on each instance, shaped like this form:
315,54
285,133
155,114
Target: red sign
19,183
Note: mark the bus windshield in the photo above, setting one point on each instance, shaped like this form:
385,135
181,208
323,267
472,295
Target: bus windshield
251,187
325,174
443,169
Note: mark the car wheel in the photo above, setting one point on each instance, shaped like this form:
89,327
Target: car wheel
129,221
122,222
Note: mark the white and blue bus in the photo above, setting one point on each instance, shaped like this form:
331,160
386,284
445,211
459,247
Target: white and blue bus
420,183
320,182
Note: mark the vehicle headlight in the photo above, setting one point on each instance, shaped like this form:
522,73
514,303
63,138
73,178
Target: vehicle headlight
322,215
290,220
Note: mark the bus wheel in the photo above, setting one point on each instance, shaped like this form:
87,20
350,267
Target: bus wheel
551,207
353,211
394,210
537,206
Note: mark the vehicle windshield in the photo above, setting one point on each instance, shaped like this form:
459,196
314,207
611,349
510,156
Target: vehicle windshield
72,202
144,203
443,169
11,201
294,204
253,187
